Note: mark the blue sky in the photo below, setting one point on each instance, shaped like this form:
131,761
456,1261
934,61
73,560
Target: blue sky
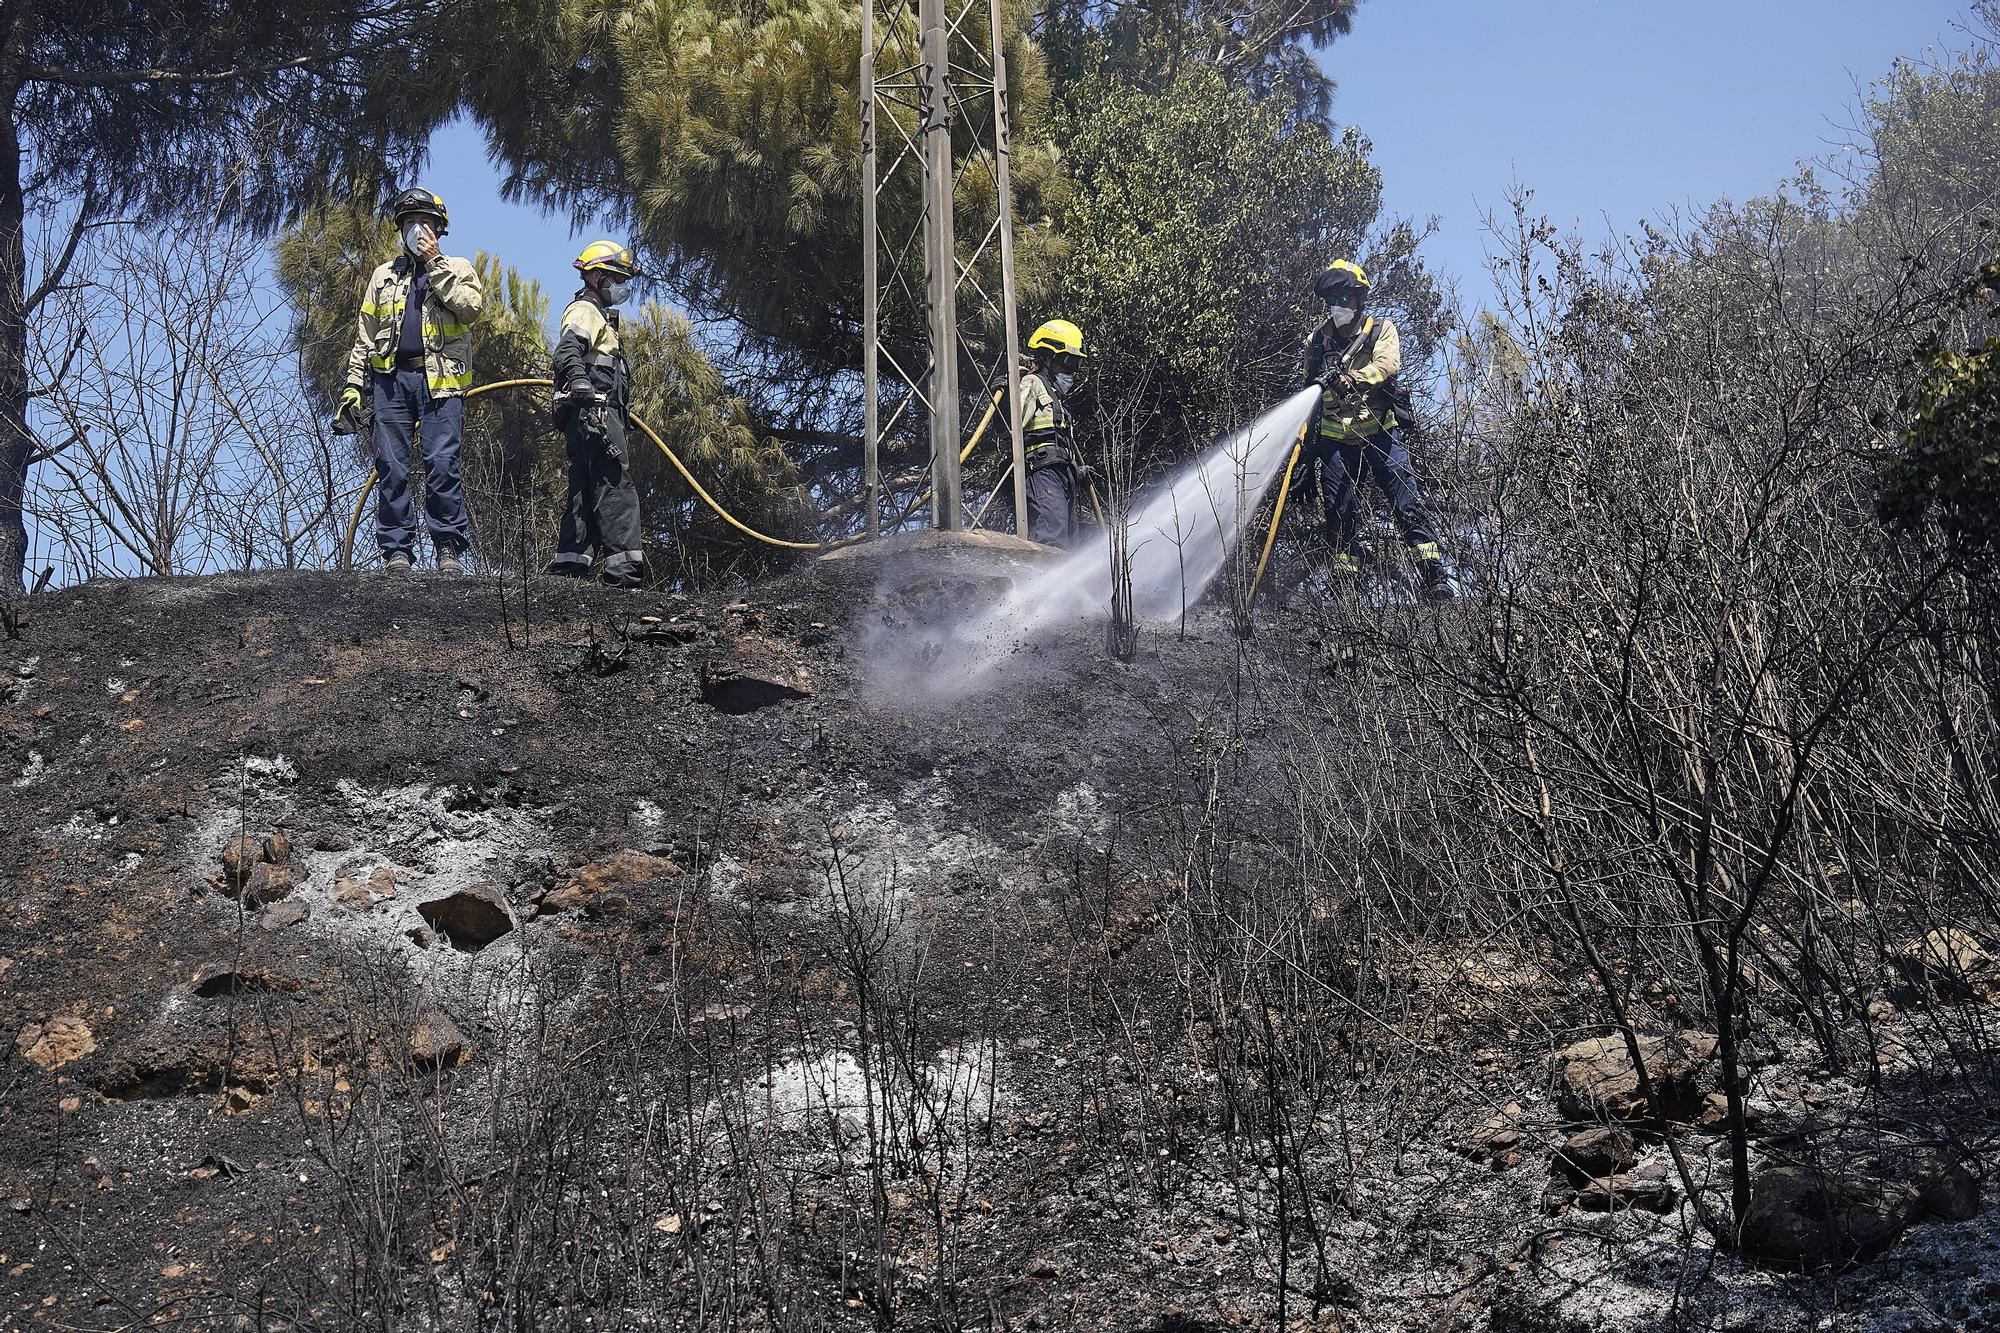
1608,109
540,245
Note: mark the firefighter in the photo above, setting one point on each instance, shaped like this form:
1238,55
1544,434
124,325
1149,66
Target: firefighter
593,399
1362,413
412,358
1048,433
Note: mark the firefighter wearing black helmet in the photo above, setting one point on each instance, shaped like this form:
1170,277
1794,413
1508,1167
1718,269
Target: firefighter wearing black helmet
412,356
1355,358
593,402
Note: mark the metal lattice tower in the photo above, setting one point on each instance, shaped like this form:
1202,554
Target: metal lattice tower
933,136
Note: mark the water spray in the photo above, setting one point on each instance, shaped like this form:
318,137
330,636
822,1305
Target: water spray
1179,540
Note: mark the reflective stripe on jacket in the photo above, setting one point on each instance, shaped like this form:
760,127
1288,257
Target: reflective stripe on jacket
1044,419
451,305
1373,357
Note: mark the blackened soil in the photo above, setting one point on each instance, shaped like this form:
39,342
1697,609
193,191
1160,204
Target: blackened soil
814,1002
447,732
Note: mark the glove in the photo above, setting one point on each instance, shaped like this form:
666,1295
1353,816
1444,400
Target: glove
1086,475
347,417
592,409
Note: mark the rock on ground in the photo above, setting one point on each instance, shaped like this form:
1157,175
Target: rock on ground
1595,1079
471,918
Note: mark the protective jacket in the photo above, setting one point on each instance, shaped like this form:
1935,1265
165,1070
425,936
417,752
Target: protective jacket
1046,424
1372,357
589,348
451,304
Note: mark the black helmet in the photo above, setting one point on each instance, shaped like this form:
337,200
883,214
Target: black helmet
419,200
1343,284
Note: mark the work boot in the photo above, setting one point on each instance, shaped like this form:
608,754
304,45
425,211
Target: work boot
625,569
568,567
629,576
448,562
396,562
1436,583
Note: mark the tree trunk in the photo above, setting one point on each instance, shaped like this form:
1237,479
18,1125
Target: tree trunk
17,444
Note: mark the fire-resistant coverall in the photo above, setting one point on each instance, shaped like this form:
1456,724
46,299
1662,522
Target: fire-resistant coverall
1048,437
1363,428
413,348
602,513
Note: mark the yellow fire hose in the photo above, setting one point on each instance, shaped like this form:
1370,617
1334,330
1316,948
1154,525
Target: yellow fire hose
1277,512
361,503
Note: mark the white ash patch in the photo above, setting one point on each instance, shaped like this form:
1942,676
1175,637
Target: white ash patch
725,881
414,824
646,816
829,1093
264,797
877,854
1079,812
276,770
33,771
116,685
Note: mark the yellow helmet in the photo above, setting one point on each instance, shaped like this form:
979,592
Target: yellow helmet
1342,275
609,256
1058,335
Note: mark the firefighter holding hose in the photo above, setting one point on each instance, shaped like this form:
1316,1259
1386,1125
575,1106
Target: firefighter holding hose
1355,358
1056,473
593,399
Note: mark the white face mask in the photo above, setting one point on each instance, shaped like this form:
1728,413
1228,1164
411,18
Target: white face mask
1063,381
616,292
1342,317
414,234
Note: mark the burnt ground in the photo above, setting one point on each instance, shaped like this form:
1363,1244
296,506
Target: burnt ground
844,1011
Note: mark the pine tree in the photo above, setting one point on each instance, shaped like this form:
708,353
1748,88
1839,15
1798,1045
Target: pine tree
729,139
678,391
1263,47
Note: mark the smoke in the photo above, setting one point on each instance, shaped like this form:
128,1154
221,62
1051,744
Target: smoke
1179,541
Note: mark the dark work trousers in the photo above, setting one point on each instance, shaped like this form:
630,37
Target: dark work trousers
1051,497
1340,464
403,404
602,513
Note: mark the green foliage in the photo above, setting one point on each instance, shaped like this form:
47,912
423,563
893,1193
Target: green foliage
323,262
729,139
215,106
1198,220
1949,461
1263,47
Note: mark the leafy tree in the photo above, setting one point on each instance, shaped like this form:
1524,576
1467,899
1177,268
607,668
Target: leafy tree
111,108
1198,219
